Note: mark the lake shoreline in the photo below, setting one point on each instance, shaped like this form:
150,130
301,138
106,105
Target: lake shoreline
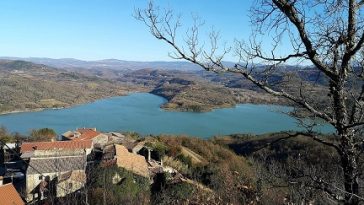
64,107
30,110
141,113
174,102
163,106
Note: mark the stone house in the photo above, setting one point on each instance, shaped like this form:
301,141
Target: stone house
8,152
131,162
30,149
70,182
55,168
56,176
99,139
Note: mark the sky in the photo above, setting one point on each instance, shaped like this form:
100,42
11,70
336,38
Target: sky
105,29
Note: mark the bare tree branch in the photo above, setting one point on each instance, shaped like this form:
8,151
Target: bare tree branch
327,37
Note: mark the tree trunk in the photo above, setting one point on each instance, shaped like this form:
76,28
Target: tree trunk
350,167
348,150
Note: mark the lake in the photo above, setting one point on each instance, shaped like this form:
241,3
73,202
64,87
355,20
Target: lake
141,112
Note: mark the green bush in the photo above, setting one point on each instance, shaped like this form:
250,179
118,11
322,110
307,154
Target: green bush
44,134
119,185
180,193
185,159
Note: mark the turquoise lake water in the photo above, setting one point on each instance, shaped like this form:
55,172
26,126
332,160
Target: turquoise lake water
141,112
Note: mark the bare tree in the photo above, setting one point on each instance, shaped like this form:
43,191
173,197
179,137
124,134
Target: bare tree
325,33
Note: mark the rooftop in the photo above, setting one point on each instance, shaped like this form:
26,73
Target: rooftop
56,164
82,134
70,145
9,195
130,161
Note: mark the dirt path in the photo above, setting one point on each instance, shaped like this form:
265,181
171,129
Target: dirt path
196,158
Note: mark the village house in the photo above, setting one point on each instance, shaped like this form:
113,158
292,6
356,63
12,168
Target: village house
131,162
9,195
115,138
47,176
28,149
99,139
137,157
70,182
55,168
8,152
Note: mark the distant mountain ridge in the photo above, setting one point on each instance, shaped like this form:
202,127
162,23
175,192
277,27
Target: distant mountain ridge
124,65
114,64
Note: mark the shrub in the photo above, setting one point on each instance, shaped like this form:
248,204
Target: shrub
119,185
44,134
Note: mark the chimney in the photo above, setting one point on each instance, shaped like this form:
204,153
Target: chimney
1,180
76,134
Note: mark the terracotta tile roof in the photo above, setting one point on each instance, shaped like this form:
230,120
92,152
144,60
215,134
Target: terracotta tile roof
87,134
132,162
9,195
70,145
82,134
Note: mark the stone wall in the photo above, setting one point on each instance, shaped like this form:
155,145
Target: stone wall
33,180
75,182
100,140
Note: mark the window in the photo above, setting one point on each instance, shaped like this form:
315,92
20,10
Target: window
70,185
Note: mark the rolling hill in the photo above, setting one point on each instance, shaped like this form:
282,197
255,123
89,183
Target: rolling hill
29,86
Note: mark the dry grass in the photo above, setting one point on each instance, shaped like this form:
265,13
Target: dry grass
36,86
196,158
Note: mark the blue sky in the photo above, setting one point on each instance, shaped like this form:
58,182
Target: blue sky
102,29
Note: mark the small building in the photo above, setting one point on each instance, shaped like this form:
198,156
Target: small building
115,138
55,168
55,176
70,182
9,195
98,139
131,162
8,152
30,149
